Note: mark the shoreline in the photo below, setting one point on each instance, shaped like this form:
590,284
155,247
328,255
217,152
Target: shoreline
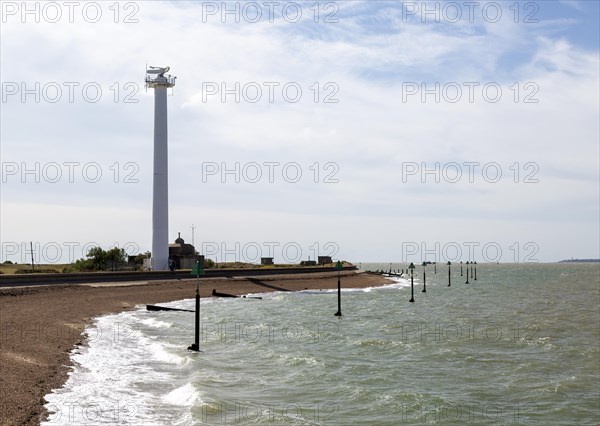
41,325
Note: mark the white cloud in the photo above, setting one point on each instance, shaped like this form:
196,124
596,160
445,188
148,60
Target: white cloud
575,4
369,55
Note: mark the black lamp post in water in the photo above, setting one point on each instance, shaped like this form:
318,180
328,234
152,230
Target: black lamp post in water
198,270
467,273
424,288
339,267
412,288
449,273
475,271
461,272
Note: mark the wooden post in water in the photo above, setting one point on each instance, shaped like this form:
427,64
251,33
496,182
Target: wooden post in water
449,273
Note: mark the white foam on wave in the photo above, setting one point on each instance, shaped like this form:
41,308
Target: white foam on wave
121,376
184,396
159,353
399,282
153,322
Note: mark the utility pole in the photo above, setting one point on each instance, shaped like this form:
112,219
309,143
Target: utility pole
31,249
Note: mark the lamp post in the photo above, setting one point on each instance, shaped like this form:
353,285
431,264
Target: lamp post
424,288
471,270
475,271
412,288
198,270
449,273
461,272
467,273
434,268
339,267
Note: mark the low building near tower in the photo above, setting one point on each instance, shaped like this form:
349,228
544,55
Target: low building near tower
184,255
324,260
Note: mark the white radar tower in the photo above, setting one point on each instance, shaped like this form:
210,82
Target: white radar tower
156,79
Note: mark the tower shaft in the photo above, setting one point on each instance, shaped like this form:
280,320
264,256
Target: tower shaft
156,79
160,193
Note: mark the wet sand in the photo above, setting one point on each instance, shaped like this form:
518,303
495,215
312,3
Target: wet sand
40,326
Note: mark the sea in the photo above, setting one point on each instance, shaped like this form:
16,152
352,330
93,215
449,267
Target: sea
520,344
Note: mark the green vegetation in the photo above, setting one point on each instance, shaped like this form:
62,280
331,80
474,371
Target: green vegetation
25,268
96,259
37,271
99,260
235,265
10,268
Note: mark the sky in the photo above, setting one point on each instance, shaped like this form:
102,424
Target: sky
364,130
